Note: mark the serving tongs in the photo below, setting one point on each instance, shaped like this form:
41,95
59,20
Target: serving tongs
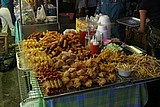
133,49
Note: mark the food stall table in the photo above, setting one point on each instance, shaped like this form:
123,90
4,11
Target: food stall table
127,96
121,93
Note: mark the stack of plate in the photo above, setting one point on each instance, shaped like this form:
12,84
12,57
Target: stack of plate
51,18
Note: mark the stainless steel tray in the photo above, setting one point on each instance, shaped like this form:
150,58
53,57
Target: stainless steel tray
124,82
120,83
129,21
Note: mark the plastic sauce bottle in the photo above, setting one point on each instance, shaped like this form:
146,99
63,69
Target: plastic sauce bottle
91,42
87,39
83,33
94,47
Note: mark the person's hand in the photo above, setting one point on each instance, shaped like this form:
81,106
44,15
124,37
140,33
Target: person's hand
115,40
141,30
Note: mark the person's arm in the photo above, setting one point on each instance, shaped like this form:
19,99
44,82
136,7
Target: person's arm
74,2
86,2
86,6
97,1
143,16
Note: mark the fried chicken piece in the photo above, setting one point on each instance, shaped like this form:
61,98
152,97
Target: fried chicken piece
88,83
83,78
69,85
73,74
64,57
59,64
77,83
65,67
65,80
81,72
72,69
102,74
70,61
112,78
89,72
101,81
66,74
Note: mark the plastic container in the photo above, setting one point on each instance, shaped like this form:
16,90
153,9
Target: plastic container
103,20
102,28
124,73
105,35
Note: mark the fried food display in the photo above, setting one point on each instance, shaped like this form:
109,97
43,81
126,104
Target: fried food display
88,72
145,65
59,62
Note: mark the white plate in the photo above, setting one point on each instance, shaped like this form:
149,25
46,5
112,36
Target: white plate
68,30
51,18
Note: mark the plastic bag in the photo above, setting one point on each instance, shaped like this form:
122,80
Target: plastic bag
41,15
28,15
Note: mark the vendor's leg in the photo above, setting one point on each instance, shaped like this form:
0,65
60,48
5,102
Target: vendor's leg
81,12
10,23
6,21
4,25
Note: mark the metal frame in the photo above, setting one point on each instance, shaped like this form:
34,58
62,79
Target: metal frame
57,22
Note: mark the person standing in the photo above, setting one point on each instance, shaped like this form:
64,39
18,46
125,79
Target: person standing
115,9
7,16
147,11
91,6
80,8
151,10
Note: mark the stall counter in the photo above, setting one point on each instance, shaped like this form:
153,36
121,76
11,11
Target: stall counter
128,96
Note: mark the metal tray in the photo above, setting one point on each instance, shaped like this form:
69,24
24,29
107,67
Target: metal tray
129,21
119,83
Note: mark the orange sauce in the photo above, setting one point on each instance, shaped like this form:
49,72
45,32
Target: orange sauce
94,48
82,36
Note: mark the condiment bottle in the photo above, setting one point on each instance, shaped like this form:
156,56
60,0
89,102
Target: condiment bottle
94,48
87,39
101,41
91,42
82,32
